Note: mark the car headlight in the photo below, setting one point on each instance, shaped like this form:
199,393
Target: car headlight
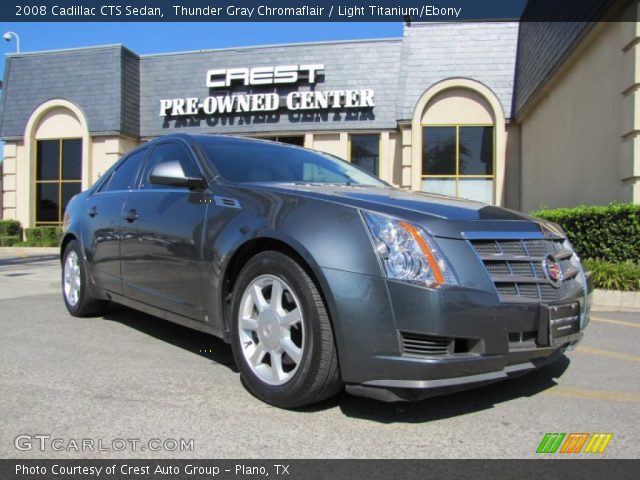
581,280
407,252
575,261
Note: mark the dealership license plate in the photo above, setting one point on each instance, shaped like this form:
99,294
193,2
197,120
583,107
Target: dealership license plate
564,323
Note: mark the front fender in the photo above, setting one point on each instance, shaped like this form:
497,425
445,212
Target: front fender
326,236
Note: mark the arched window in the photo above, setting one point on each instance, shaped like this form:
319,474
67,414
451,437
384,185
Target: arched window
57,140
458,138
458,146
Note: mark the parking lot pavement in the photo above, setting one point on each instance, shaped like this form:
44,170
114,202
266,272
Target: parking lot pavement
131,376
28,272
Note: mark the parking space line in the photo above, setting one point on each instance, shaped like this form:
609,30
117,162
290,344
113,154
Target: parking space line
615,322
606,395
608,353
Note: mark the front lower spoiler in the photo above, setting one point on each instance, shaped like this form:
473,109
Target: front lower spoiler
412,390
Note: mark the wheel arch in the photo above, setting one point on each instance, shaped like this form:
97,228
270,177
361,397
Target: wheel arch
68,237
254,246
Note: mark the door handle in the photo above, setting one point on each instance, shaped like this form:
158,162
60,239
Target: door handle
131,215
92,212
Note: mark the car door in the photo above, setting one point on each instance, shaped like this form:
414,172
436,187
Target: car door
161,250
104,219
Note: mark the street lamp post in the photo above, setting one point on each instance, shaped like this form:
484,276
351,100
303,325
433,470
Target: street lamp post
7,36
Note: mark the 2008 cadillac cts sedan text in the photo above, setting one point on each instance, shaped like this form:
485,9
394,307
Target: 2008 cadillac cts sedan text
320,275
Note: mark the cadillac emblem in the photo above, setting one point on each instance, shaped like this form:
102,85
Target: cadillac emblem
552,270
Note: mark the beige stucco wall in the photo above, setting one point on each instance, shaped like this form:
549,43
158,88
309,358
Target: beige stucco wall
458,106
334,143
579,140
512,170
12,151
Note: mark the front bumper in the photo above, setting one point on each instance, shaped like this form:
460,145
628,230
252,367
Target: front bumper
491,341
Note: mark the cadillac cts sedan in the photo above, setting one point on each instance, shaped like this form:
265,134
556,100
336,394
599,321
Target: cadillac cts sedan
319,275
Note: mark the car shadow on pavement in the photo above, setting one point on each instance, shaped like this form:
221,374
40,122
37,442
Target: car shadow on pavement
200,343
436,408
456,404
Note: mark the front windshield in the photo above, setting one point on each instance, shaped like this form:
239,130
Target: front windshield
241,161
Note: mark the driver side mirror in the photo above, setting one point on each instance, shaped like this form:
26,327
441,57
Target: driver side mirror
171,174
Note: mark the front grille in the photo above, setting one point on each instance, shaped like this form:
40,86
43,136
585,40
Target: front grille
419,344
515,266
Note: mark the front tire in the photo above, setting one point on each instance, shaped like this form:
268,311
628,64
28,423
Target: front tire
75,290
281,337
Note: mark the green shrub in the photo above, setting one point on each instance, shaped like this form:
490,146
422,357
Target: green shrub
10,228
614,276
610,233
9,240
43,236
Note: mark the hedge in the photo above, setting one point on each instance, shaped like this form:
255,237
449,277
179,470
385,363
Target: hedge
43,237
11,235
10,228
608,233
9,240
614,276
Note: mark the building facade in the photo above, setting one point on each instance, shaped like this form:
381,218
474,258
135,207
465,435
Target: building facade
464,109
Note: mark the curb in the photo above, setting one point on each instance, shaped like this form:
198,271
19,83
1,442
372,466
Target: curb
616,299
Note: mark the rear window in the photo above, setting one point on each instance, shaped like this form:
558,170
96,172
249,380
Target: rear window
250,162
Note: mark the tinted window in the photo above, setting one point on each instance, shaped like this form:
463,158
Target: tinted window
47,202
476,150
246,161
439,151
48,160
58,177
365,152
458,161
72,159
170,152
125,175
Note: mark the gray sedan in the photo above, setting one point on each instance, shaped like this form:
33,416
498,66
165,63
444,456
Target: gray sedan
320,275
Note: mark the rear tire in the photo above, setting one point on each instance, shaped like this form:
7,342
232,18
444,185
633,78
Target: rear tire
75,290
283,344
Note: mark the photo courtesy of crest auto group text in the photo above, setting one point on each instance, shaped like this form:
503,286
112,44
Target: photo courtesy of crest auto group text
308,239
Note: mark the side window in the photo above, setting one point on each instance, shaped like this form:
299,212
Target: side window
169,152
124,177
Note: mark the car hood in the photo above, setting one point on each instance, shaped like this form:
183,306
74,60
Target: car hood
438,214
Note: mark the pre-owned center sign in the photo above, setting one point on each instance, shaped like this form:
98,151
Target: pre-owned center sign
265,102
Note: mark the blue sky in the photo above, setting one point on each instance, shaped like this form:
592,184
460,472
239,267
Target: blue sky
171,37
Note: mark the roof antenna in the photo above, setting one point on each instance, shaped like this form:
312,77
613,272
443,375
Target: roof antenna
407,20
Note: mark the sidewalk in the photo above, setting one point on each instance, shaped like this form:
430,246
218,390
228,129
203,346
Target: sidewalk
7,253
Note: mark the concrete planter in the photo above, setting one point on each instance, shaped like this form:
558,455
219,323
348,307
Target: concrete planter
616,299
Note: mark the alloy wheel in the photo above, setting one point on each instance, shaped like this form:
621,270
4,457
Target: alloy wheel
271,329
72,279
